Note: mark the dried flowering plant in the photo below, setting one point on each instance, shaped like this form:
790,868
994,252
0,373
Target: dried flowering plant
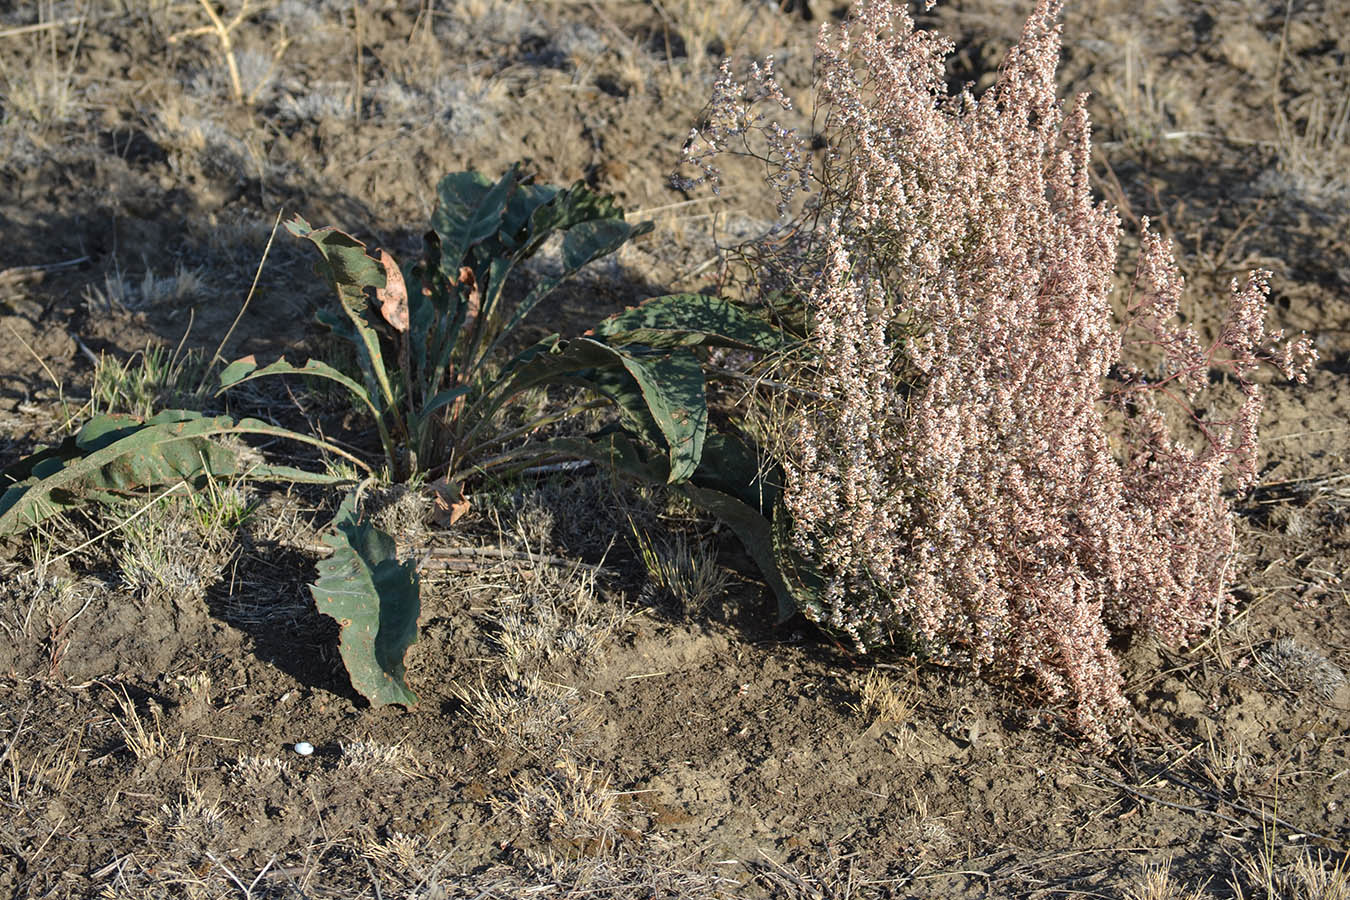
970,463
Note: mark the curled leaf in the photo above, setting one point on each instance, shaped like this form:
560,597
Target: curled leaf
473,301
449,502
393,296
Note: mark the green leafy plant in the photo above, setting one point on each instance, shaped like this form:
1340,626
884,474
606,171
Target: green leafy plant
428,337
431,340
118,456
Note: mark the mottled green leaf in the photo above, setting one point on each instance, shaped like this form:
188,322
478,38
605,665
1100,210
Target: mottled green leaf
349,271
468,211
669,386
117,456
376,602
672,386
677,320
127,460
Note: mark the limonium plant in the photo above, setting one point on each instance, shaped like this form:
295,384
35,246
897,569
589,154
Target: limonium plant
970,462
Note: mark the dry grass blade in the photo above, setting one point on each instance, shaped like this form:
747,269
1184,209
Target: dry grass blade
252,289
144,739
14,735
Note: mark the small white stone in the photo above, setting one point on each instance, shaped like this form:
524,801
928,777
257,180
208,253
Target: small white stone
304,748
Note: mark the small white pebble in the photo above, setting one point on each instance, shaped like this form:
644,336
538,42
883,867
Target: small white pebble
304,748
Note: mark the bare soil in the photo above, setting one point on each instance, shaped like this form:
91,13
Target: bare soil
580,734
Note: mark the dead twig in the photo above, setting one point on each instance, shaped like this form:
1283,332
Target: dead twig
42,26
454,558
26,273
224,32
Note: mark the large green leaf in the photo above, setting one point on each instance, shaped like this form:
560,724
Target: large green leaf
568,208
678,320
583,243
615,384
545,360
426,302
469,210
96,434
149,456
116,456
615,450
518,227
349,271
672,388
587,241
562,211
443,398
246,369
732,466
669,388
493,277
376,602
345,263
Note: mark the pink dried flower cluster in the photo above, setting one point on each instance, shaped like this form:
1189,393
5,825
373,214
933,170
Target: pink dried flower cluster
734,119
984,474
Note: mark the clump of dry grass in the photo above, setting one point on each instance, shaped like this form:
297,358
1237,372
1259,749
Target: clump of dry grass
39,605
143,733
1156,882
367,758
882,699
396,852
401,510
680,570
545,612
578,515
148,381
182,285
620,875
1288,666
1310,876
570,808
192,818
179,546
528,715
257,772
45,86
828,875
31,776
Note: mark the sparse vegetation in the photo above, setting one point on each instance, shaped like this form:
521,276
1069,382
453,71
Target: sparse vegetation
608,707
